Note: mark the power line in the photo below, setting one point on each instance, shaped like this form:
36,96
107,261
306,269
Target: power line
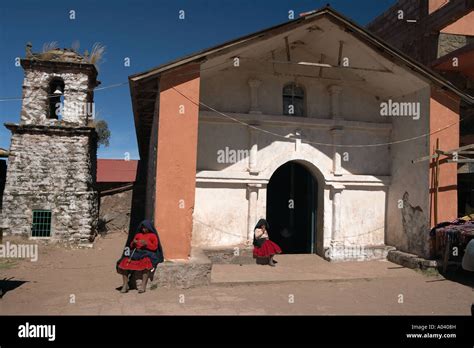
3,99
55,96
264,130
316,143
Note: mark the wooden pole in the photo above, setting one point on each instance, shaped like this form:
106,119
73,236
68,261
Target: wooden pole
287,46
339,55
436,185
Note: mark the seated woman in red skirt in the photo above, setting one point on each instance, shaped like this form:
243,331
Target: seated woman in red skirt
142,253
264,248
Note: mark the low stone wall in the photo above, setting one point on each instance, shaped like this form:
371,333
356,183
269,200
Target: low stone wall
410,260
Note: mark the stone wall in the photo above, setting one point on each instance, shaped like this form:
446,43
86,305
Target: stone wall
77,97
448,43
52,168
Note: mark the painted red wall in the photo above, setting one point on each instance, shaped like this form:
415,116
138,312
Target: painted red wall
463,26
444,110
176,160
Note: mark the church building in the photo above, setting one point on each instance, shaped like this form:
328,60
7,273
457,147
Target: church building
313,124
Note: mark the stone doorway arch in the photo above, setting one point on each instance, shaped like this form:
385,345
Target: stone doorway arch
293,204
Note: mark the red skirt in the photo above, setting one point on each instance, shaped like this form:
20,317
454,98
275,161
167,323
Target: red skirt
267,249
135,265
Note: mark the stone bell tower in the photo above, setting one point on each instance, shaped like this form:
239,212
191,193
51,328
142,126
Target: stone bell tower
49,191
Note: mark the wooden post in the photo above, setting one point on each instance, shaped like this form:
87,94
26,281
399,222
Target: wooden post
436,185
447,252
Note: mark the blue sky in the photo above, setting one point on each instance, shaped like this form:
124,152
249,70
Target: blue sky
149,32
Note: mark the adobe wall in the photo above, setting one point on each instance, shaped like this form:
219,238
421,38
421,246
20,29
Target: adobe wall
444,111
176,160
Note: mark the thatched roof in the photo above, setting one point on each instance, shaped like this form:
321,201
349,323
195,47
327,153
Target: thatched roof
60,55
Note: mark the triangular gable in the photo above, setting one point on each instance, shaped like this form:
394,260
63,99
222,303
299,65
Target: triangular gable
305,19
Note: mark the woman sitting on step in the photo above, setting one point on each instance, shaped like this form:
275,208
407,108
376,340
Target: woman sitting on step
264,249
142,253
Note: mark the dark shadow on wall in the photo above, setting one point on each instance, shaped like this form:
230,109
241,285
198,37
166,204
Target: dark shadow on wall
415,228
465,194
3,178
138,206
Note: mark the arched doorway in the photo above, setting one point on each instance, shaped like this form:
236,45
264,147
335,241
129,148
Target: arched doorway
291,208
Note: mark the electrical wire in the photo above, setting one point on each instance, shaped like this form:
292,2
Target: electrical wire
267,131
317,143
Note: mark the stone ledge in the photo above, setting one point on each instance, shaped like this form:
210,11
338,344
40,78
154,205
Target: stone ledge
357,253
63,128
410,260
227,255
183,274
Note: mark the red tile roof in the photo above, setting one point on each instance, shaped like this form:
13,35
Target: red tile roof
114,170
465,66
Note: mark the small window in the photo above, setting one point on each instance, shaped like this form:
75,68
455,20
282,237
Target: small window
41,223
56,98
293,100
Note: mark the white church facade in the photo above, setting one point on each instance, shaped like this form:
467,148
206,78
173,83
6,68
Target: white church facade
312,125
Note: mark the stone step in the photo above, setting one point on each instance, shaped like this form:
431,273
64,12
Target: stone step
238,254
183,274
305,267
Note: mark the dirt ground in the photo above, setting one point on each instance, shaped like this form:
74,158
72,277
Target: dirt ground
84,281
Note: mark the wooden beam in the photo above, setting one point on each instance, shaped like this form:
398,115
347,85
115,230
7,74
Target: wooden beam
339,56
320,65
320,74
421,159
287,45
462,148
273,58
465,160
447,14
436,185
